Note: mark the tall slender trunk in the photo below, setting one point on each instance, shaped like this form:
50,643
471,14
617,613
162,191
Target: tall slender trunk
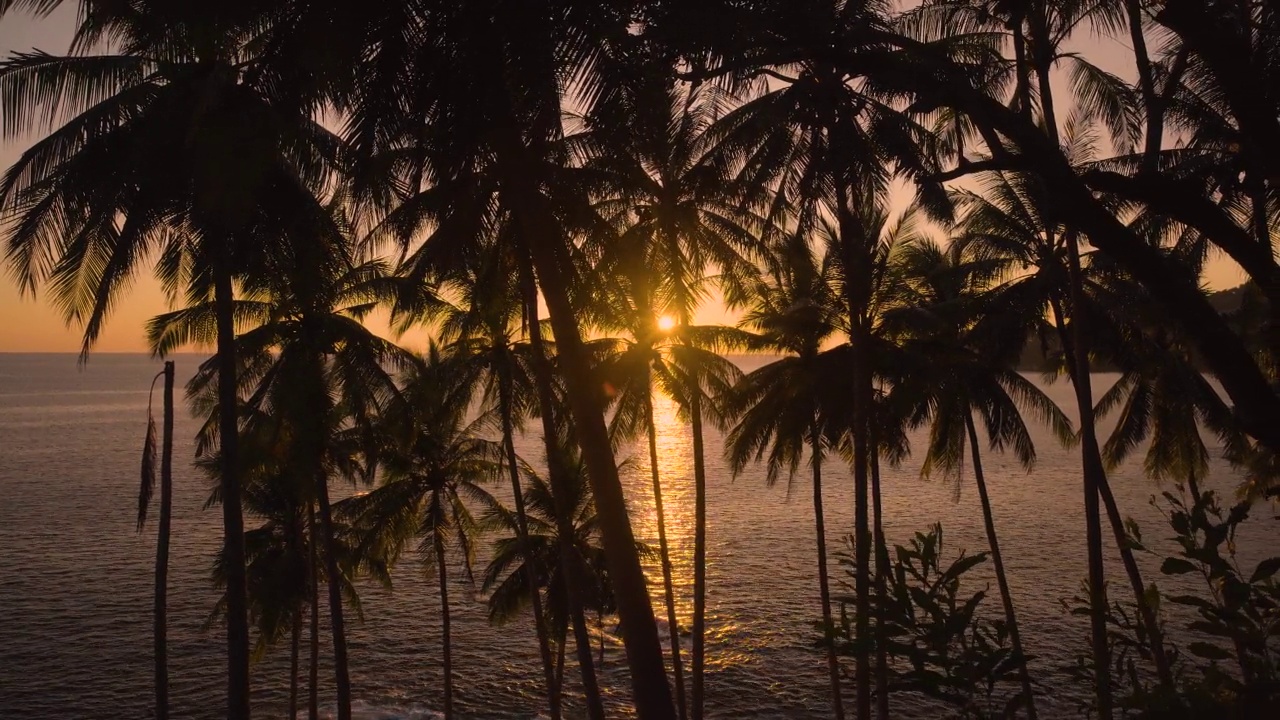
857,289
562,641
699,551
295,646
668,581
162,552
997,560
232,514
341,676
313,699
570,558
444,628
881,580
522,538
1154,132
548,249
824,589
1094,477
1155,635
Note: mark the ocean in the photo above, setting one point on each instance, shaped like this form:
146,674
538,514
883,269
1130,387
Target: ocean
76,578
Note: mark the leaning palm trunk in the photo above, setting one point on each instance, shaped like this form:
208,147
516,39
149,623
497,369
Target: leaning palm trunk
1094,477
313,579
447,652
548,252
232,513
1155,635
569,556
295,643
522,538
1015,637
160,610
341,676
824,589
881,581
668,583
699,552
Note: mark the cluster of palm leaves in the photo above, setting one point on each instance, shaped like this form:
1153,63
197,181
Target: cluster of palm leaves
292,169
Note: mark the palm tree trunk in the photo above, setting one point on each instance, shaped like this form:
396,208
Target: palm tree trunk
1094,477
232,513
858,277
444,628
1006,597
563,640
548,250
162,552
881,580
341,675
668,582
295,643
699,552
569,556
1155,634
313,704
522,537
824,589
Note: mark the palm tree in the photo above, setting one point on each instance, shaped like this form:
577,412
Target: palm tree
308,357
479,93
1006,222
162,537
479,265
177,147
432,464
967,373
671,192
484,351
507,576
780,405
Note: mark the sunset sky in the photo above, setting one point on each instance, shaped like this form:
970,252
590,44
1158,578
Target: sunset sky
34,325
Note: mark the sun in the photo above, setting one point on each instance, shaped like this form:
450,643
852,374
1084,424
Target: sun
666,323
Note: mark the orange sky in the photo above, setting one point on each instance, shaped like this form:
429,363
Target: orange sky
33,325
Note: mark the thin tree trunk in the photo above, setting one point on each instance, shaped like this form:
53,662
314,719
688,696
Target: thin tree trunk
668,582
569,557
444,628
162,552
1094,477
857,286
881,578
1155,634
699,552
313,702
549,252
824,589
295,647
341,676
563,641
232,513
997,560
522,538
1154,133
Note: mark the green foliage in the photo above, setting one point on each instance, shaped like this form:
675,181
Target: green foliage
1231,665
941,644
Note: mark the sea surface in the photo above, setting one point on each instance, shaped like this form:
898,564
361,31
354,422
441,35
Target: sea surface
76,577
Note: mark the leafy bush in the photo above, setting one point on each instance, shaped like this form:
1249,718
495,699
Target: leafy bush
1231,667
939,643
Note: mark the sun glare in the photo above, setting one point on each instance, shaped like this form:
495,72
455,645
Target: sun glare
666,323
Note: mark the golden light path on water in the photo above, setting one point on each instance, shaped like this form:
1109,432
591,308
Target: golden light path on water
674,436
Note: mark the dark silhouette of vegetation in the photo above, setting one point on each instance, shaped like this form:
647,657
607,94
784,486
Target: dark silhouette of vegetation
291,170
